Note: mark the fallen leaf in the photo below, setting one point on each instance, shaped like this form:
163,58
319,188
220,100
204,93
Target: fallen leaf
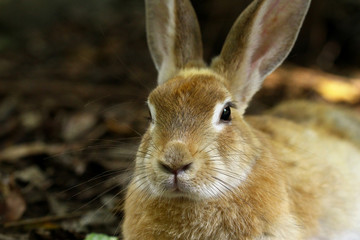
19,151
77,125
12,203
34,176
96,236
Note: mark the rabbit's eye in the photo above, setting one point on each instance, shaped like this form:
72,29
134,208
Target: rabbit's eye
149,117
226,114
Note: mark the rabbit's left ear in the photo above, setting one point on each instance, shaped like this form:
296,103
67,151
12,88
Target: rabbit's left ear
173,36
258,43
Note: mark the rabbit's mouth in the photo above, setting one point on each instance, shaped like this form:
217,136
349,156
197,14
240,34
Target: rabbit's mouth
178,185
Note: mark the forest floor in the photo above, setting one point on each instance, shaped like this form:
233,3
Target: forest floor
67,148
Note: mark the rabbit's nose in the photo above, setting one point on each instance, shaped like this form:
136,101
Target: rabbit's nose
175,170
176,159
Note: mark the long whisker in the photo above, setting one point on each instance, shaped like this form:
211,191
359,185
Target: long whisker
97,177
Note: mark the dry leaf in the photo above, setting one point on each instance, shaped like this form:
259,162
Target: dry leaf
12,203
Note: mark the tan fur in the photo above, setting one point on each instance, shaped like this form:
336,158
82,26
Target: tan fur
280,176
340,122
300,178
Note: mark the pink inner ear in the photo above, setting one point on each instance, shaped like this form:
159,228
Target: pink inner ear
269,33
269,10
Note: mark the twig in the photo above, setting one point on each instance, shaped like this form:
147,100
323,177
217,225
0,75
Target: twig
4,237
40,220
19,151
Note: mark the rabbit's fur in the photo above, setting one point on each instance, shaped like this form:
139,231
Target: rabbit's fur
202,173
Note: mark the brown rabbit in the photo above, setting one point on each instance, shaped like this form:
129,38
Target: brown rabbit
204,171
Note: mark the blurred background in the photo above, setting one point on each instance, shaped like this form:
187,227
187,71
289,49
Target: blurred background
74,76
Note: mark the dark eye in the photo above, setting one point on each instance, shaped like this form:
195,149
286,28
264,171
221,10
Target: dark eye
226,114
149,117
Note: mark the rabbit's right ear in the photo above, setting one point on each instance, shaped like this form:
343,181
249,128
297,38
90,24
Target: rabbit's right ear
258,43
173,36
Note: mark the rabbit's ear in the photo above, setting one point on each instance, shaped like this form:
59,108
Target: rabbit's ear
258,43
173,36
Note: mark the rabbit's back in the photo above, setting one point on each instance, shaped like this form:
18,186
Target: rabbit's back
337,121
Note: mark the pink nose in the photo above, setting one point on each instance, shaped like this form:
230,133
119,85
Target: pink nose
174,170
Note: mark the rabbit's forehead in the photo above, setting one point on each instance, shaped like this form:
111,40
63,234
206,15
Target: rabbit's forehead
196,92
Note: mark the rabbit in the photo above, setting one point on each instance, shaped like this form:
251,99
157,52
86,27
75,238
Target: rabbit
203,170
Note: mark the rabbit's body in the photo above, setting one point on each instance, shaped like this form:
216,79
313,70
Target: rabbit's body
303,183
203,171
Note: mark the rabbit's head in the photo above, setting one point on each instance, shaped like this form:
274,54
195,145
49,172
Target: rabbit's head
198,145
